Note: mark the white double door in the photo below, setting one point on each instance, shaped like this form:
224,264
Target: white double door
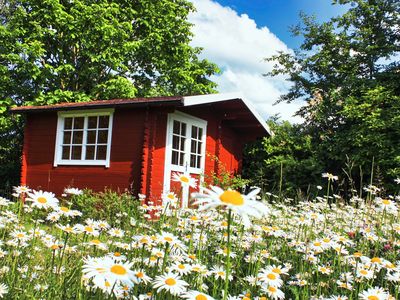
185,153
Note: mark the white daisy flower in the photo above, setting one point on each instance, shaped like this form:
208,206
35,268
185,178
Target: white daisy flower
184,179
375,293
73,191
42,199
243,205
196,295
171,283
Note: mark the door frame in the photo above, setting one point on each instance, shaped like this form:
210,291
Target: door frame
168,167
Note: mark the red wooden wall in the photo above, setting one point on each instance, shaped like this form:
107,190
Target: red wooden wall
137,152
126,156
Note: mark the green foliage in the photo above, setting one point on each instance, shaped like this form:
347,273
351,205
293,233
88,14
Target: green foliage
347,71
107,205
286,161
72,51
225,179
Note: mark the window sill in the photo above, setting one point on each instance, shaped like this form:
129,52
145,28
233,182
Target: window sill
103,163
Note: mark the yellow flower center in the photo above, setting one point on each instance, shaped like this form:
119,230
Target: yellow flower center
194,218
20,235
200,297
272,289
168,239
107,284
171,196
170,281
364,272
326,240
232,197
317,244
373,297
277,270
181,267
386,202
271,276
118,269
139,275
376,260
184,179
64,209
117,254
42,200
357,254
96,242
221,273
88,229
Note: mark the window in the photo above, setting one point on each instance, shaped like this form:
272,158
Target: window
84,138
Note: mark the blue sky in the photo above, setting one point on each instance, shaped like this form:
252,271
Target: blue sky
278,15
238,35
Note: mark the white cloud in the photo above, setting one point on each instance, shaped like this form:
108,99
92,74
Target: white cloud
239,48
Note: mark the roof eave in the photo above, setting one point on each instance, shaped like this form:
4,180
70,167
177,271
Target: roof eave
89,105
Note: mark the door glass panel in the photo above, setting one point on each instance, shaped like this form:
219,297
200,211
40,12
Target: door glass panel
178,143
195,151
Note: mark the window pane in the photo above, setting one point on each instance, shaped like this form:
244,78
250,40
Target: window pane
91,137
92,122
103,121
78,122
102,136
176,127
193,146
183,129
90,152
76,152
175,156
193,161
101,152
195,132
181,156
65,152
67,137
77,137
182,146
199,147
67,123
175,142
200,133
198,161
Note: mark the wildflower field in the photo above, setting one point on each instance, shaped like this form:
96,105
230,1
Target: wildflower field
232,246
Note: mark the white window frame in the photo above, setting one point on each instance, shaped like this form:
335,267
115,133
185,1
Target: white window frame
186,169
59,137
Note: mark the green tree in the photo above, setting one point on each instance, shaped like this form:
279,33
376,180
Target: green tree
347,71
55,51
283,162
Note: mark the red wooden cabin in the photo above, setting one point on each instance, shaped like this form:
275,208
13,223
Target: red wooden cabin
136,144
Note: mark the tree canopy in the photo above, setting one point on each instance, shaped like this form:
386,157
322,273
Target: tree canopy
69,51
348,72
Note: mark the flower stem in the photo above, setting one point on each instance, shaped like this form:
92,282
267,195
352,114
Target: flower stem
228,257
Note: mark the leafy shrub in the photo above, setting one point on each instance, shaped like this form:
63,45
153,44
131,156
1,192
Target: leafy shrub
107,205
